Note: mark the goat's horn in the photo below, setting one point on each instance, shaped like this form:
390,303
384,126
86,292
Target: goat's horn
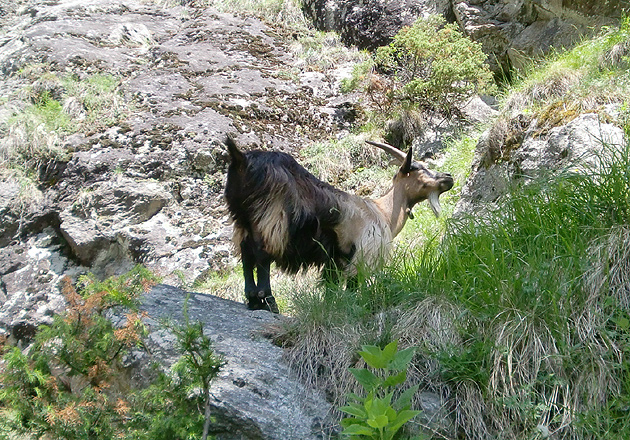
393,151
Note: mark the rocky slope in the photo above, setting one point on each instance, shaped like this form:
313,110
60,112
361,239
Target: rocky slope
148,188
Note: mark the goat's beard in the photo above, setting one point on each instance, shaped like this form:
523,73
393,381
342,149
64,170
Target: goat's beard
434,203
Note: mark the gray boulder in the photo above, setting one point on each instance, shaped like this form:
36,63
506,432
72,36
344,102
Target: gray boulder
372,23
256,396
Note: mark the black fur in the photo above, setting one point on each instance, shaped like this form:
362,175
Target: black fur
313,208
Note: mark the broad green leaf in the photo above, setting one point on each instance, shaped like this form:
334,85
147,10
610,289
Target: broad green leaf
623,323
378,422
347,421
373,356
366,378
402,359
396,379
404,400
402,418
356,429
390,351
354,410
391,414
379,406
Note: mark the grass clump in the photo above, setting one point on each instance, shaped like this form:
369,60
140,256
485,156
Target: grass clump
52,107
286,12
349,164
552,339
592,74
324,51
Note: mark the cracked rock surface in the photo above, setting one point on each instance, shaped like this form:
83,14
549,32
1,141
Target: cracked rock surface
148,188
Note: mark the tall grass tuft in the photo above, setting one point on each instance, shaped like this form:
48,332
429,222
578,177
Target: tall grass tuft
544,283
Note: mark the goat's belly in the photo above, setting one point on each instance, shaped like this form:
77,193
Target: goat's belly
313,250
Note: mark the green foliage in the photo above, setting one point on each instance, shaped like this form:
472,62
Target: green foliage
360,73
67,385
434,65
377,415
72,384
429,65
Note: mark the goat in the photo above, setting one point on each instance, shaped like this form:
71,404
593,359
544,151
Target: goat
283,213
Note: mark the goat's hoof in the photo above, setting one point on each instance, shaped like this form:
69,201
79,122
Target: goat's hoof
268,301
270,304
255,304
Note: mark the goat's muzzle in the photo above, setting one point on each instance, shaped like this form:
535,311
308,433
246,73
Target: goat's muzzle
445,183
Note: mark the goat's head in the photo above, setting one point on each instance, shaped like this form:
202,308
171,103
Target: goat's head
416,181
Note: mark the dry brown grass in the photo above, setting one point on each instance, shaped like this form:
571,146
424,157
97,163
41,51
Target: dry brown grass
610,270
616,57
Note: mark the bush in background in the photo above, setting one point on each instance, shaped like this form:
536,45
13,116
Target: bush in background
430,66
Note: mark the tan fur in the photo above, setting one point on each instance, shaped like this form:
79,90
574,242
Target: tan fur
273,225
238,235
363,225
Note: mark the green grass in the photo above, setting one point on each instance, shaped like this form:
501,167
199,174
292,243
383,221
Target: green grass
594,73
52,107
540,287
324,51
286,12
521,315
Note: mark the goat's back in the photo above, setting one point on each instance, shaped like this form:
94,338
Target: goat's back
285,209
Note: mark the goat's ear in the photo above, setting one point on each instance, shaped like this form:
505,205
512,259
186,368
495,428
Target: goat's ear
237,155
406,166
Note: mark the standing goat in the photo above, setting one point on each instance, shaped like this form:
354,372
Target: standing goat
283,213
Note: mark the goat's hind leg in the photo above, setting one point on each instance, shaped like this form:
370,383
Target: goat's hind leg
258,289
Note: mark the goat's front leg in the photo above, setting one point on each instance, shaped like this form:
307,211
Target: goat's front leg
263,269
249,264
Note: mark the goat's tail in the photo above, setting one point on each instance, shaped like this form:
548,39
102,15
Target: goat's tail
236,155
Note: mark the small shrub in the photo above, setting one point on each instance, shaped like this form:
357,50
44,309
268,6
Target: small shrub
177,405
72,384
429,65
68,384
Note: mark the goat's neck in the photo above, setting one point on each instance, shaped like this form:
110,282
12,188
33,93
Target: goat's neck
394,205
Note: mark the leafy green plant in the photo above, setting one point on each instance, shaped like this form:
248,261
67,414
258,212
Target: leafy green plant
378,415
